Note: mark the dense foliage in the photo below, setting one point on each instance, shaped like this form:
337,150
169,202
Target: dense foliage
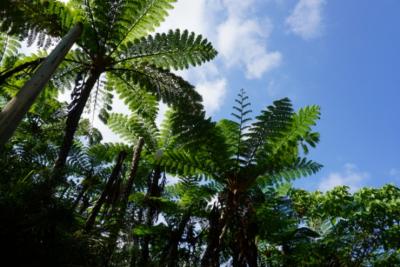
188,192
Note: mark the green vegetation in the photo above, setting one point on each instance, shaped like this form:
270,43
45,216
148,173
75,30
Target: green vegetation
69,199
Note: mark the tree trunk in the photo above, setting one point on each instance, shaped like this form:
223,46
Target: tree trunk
211,255
113,177
153,190
124,201
16,108
171,255
73,121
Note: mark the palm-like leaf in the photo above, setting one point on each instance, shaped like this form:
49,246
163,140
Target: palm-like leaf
300,127
133,127
172,50
301,167
182,163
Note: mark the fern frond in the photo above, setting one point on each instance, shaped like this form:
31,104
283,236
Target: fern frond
299,128
241,111
137,99
269,125
195,133
138,19
168,87
181,163
130,128
106,151
172,50
37,19
9,46
301,167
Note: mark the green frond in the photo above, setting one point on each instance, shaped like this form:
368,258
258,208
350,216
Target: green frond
195,133
107,151
301,167
37,19
270,125
241,111
230,131
133,127
139,17
168,87
137,99
182,163
172,50
9,47
78,160
301,125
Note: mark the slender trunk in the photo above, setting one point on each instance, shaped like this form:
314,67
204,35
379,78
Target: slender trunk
135,249
124,200
211,255
73,121
16,108
113,177
171,254
132,173
153,190
244,231
10,72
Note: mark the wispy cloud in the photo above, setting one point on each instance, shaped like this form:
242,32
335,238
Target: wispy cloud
306,19
243,42
242,39
213,93
350,176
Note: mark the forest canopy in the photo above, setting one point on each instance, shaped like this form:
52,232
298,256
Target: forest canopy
190,191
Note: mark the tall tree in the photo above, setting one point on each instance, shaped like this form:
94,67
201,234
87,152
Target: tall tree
12,114
244,158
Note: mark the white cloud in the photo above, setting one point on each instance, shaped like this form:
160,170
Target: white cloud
350,176
193,15
213,93
243,42
240,39
305,19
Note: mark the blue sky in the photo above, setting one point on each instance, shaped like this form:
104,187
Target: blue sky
341,55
